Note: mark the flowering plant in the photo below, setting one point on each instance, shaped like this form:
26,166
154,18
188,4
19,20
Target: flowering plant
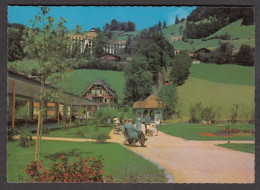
83,170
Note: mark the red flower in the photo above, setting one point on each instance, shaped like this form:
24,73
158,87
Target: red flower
31,173
31,163
91,158
60,165
100,171
38,167
65,180
25,168
62,156
41,162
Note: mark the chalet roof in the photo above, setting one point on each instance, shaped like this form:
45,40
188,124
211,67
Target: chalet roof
149,103
100,81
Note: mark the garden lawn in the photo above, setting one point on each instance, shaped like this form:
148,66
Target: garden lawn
193,131
88,131
124,165
240,147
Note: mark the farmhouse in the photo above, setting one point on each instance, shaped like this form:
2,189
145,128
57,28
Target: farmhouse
202,51
150,105
110,56
100,92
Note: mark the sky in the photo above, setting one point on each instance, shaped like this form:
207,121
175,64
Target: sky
96,16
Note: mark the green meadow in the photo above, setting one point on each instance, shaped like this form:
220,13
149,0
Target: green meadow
250,148
220,86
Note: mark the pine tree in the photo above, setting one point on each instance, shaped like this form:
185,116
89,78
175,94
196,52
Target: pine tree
159,25
164,24
177,20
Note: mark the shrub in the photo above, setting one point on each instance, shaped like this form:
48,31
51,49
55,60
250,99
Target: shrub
195,113
101,138
234,113
45,129
80,132
84,170
25,138
11,133
208,114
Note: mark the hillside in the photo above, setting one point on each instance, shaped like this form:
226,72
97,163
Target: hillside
240,34
82,78
124,35
220,86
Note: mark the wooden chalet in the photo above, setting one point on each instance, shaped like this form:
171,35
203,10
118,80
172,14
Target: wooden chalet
100,92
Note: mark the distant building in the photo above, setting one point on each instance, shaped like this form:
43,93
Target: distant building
110,56
176,38
177,52
150,105
85,40
101,92
202,51
115,46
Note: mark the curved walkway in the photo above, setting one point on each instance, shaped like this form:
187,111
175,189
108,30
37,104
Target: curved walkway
192,161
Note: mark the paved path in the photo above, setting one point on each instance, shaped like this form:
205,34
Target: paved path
192,161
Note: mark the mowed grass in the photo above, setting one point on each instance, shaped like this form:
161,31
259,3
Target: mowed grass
250,148
226,74
124,165
81,79
88,131
219,86
193,131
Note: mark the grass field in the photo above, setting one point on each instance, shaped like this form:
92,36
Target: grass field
226,74
123,164
89,132
125,35
246,35
220,86
193,131
240,147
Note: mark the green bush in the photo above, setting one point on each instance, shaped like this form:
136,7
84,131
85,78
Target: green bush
195,113
45,130
25,138
80,132
104,113
11,133
101,138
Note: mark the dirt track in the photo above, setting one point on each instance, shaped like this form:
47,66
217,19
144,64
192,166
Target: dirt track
197,161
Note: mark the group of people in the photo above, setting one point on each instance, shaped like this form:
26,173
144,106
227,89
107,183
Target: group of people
135,132
149,129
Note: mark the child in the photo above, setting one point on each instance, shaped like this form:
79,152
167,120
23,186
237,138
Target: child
157,124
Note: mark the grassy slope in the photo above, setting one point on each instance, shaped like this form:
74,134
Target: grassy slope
192,131
82,78
235,29
118,160
240,147
213,86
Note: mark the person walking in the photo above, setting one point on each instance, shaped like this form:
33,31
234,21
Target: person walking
147,121
157,124
138,122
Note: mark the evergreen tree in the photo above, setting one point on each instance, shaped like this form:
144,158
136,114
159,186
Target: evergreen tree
177,20
164,24
159,25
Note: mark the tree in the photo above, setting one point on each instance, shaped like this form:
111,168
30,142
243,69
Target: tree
129,46
164,24
48,44
224,53
113,25
15,50
99,43
180,69
245,56
131,26
77,29
106,27
177,20
195,113
138,79
208,114
168,95
159,25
